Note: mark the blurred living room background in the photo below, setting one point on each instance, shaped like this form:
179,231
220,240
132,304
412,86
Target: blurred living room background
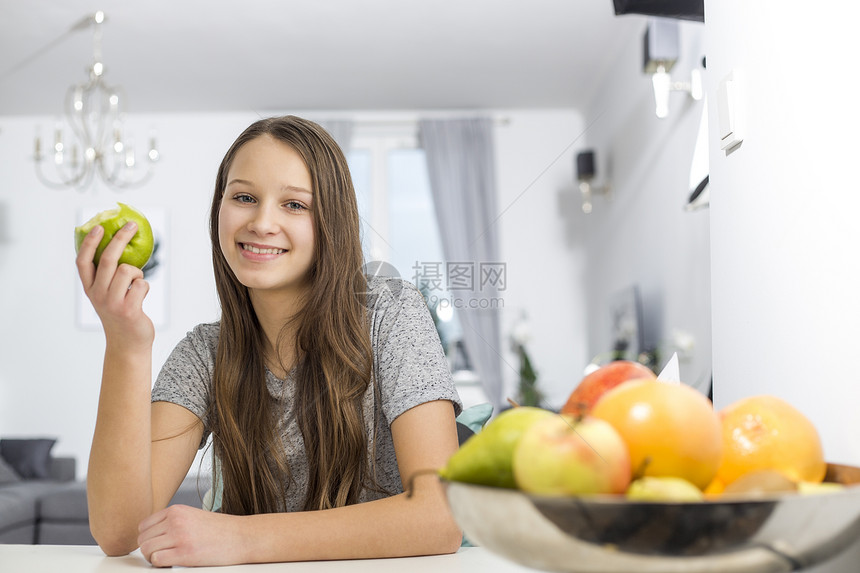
621,262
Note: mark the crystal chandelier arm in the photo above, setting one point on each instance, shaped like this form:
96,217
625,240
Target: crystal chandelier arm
79,180
119,175
93,112
75,110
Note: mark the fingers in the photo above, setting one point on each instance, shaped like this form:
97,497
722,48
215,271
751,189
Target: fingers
153,536
112,253
84,260
137,291
162,537
148,523
164,557
108,284
188,536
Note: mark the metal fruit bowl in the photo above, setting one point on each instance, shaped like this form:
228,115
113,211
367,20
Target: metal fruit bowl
609,534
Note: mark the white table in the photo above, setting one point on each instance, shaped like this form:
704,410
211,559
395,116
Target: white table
90,559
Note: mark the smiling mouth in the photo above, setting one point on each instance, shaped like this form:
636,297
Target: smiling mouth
257,251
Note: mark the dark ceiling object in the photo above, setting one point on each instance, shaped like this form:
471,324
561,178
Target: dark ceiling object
585,165
680,9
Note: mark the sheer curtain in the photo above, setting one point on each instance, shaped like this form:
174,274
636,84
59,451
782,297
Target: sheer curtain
461,167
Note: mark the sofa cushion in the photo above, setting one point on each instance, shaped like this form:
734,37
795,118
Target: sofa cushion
63,468
67,502
7,474
19,535
19,502
65,533
30,458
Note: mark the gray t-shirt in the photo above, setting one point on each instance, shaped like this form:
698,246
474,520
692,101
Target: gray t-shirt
409,367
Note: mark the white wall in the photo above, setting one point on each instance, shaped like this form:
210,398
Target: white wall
50,368
786,275
784,205
642,236
542,248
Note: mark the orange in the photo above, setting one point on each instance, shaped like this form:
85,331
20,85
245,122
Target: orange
670,429
714,488
767,433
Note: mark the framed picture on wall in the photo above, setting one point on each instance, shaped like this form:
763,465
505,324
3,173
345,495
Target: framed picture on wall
155,305
626,323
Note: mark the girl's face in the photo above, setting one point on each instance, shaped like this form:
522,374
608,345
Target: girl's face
265,224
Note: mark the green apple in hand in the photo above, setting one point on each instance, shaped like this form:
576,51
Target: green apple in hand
138,250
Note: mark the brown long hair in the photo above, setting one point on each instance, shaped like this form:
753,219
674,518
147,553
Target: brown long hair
332,345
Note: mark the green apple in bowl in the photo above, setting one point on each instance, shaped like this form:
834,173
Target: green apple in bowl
139,248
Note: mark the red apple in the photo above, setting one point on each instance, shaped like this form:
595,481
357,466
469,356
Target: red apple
605,378
562,456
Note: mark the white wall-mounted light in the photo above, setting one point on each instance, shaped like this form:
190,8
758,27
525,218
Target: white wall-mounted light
585,174
660,52
663,85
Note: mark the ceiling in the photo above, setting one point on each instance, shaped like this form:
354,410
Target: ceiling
214,55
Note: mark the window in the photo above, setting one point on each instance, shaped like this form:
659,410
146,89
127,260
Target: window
398,224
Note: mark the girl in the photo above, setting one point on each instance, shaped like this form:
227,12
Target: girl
325,392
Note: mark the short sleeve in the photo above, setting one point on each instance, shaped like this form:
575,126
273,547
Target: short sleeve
186,377
409,363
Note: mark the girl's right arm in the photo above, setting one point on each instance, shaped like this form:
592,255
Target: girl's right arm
128,477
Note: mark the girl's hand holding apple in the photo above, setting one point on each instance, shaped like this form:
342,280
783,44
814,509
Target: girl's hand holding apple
115,290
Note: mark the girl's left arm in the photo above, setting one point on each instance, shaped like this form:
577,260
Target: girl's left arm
398,526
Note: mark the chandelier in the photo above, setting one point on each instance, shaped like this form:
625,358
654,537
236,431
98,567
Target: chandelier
97,145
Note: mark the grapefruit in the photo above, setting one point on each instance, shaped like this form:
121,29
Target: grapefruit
671,430
767,433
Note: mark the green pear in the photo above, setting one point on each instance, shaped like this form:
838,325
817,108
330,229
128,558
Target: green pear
663,489
487,457
138,250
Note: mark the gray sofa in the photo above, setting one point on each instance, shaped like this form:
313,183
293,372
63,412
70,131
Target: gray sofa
20,500
52,507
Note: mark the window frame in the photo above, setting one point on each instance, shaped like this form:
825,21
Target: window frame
378,142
